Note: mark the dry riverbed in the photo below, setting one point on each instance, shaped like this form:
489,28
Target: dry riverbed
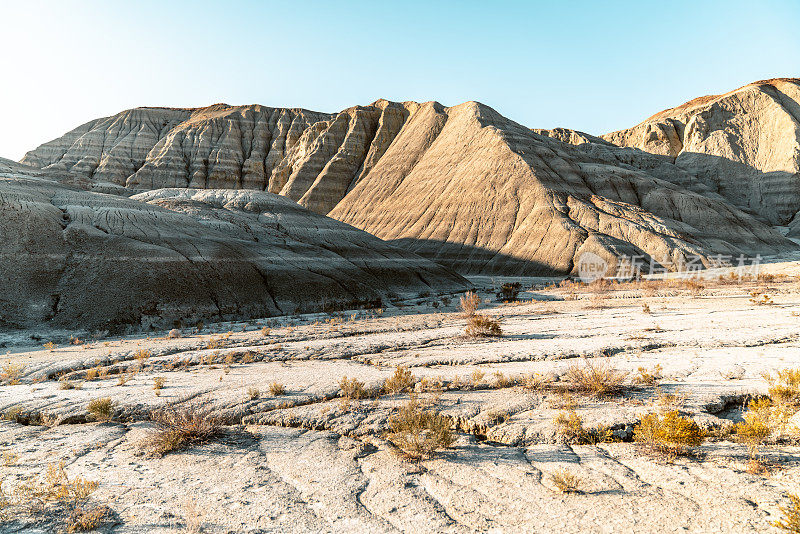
308,460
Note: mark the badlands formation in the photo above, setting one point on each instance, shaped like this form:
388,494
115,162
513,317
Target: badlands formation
463,186
297,278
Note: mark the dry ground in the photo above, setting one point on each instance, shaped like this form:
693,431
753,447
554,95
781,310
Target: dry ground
307,461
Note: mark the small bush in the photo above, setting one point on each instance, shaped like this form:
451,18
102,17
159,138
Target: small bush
253,393
101,409
64,383
791,515
566,482
482,326
760,299
648,377
595,379
265,332
672,434
758,424
276,389
12,373
509,291
158,382
352,388
400,381
87,519
476,377
785,387
646,308
178,428
174,334
419,433
469,303
570,429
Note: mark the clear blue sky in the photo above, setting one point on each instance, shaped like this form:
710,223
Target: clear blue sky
592,65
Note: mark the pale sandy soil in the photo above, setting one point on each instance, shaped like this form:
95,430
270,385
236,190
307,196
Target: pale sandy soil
305,461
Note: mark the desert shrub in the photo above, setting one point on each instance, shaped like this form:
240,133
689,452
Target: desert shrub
760,299
265,331
565,481
784,387
142,354
178,428
12,373
101,409
482,326
595,379
87,519
400,381
537,381
64,383
174,334
646,308
49,346
352,388
671,435
695,287
476,377
570,429
253,393
648,377
791,515
469,303
419,433
757,425
509,291
158,383
495,417
276,389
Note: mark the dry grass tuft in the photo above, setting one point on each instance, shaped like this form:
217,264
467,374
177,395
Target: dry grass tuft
791,515
87,519
419,433
253,393
482,326
566,482
671,435
101,409
595,379
12,373
570,429
352,389
276,389
178,428
469,303
401,381
648,377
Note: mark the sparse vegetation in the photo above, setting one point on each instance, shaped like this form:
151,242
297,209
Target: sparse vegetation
401,381
469,303
671,434
570,429
253,393
178,428
595,379
352,389
509,291
101,409
648,377
565,481
760,299
158,384
482,326
12,373
419,433
276,389
55,495
790,522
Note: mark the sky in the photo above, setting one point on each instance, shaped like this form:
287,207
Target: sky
595,66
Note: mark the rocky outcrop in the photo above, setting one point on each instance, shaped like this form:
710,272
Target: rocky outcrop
747,142
471,189
81,259
463,185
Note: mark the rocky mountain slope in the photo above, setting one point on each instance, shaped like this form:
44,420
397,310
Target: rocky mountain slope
463,185
81,259
747,141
